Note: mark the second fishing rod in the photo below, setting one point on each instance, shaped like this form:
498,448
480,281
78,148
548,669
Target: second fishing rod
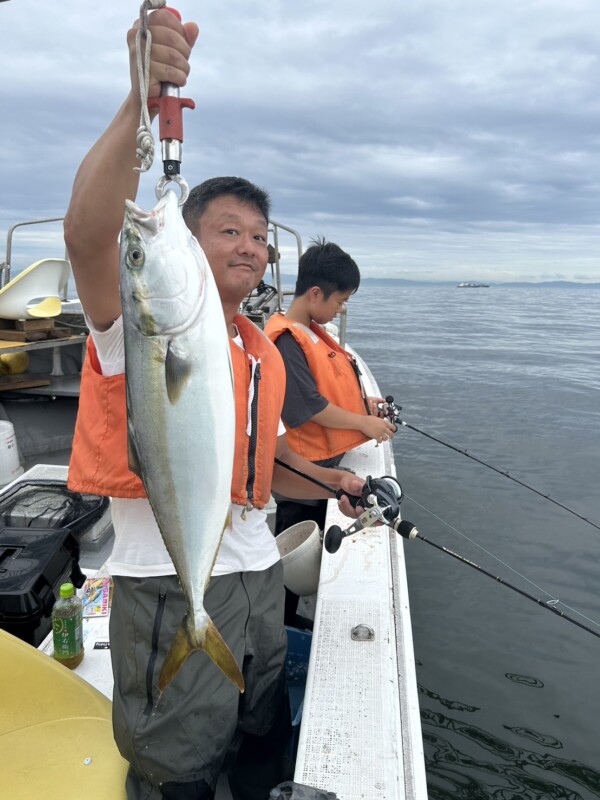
392,412
380,500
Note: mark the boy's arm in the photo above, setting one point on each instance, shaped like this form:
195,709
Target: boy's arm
303,401
333,416
291,485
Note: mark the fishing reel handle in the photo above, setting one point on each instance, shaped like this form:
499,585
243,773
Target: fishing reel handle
381,498
392,410
335,535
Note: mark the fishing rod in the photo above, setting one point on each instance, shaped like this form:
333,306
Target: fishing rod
392,412
355,500
381,498
307,477
550,605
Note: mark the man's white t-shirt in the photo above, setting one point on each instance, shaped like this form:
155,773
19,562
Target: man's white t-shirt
139,550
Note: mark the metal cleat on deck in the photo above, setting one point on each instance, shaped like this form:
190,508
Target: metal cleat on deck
290,790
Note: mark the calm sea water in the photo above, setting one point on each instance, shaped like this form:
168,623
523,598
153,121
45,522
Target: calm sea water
510,693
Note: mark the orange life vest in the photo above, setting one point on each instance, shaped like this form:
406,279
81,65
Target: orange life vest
99,459
337,378
256,424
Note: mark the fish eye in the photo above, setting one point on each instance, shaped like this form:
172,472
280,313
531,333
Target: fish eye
135,256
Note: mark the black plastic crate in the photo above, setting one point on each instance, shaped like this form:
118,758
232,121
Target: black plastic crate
48,503
33,564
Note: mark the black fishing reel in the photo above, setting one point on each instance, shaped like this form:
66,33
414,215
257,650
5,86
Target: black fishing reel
381,499
391,410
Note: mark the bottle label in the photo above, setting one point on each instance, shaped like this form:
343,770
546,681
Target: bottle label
67,635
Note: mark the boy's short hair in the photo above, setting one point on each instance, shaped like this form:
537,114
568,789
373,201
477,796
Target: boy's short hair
327,266
200,196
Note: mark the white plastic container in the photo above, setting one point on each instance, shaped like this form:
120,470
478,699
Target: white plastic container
10,468
300,548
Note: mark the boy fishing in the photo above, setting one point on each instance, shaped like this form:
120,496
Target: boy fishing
326,411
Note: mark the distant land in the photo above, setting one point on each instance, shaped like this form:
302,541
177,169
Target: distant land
291,279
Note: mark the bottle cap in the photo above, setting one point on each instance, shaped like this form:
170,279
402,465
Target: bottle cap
67,590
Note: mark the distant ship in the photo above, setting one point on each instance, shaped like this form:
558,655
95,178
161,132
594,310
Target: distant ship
473,285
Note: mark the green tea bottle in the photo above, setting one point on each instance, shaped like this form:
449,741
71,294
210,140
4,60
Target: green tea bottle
67,627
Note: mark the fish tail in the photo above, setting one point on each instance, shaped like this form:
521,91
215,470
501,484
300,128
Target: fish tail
212,644
216,648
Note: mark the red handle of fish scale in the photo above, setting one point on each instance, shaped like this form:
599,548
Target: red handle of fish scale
170,117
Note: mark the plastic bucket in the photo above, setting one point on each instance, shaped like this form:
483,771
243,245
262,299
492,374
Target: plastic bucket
300,548
10,468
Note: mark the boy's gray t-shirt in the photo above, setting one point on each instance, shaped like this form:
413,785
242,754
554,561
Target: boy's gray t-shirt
302,398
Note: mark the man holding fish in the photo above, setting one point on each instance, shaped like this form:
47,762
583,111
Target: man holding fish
187,457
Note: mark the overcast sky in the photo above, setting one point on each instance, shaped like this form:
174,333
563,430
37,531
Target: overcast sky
438,139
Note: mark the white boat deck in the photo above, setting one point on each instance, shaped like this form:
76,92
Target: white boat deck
361,734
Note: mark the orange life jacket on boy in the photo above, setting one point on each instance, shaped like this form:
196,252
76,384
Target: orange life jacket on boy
337,378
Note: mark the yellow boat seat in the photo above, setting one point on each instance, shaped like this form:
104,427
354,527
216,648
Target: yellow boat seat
56,735
36,291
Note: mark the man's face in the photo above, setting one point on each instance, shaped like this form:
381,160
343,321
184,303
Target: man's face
233,235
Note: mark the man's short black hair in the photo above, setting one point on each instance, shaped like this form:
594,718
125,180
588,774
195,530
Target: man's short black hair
327,266
200,196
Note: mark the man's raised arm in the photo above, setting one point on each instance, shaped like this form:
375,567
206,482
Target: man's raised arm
106,177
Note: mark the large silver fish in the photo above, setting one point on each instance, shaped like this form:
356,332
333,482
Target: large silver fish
180,408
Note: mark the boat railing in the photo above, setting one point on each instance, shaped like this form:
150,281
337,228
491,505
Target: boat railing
259,308
6,266
275,261
275,227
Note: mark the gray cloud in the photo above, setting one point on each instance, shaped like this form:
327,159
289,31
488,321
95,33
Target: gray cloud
435,140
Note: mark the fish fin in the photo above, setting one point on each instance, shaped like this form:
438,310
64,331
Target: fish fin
132,451
180,650
177,372
216,648
213,645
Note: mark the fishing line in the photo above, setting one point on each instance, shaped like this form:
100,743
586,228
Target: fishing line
480,546
550,605
503,472
547,604
553,598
